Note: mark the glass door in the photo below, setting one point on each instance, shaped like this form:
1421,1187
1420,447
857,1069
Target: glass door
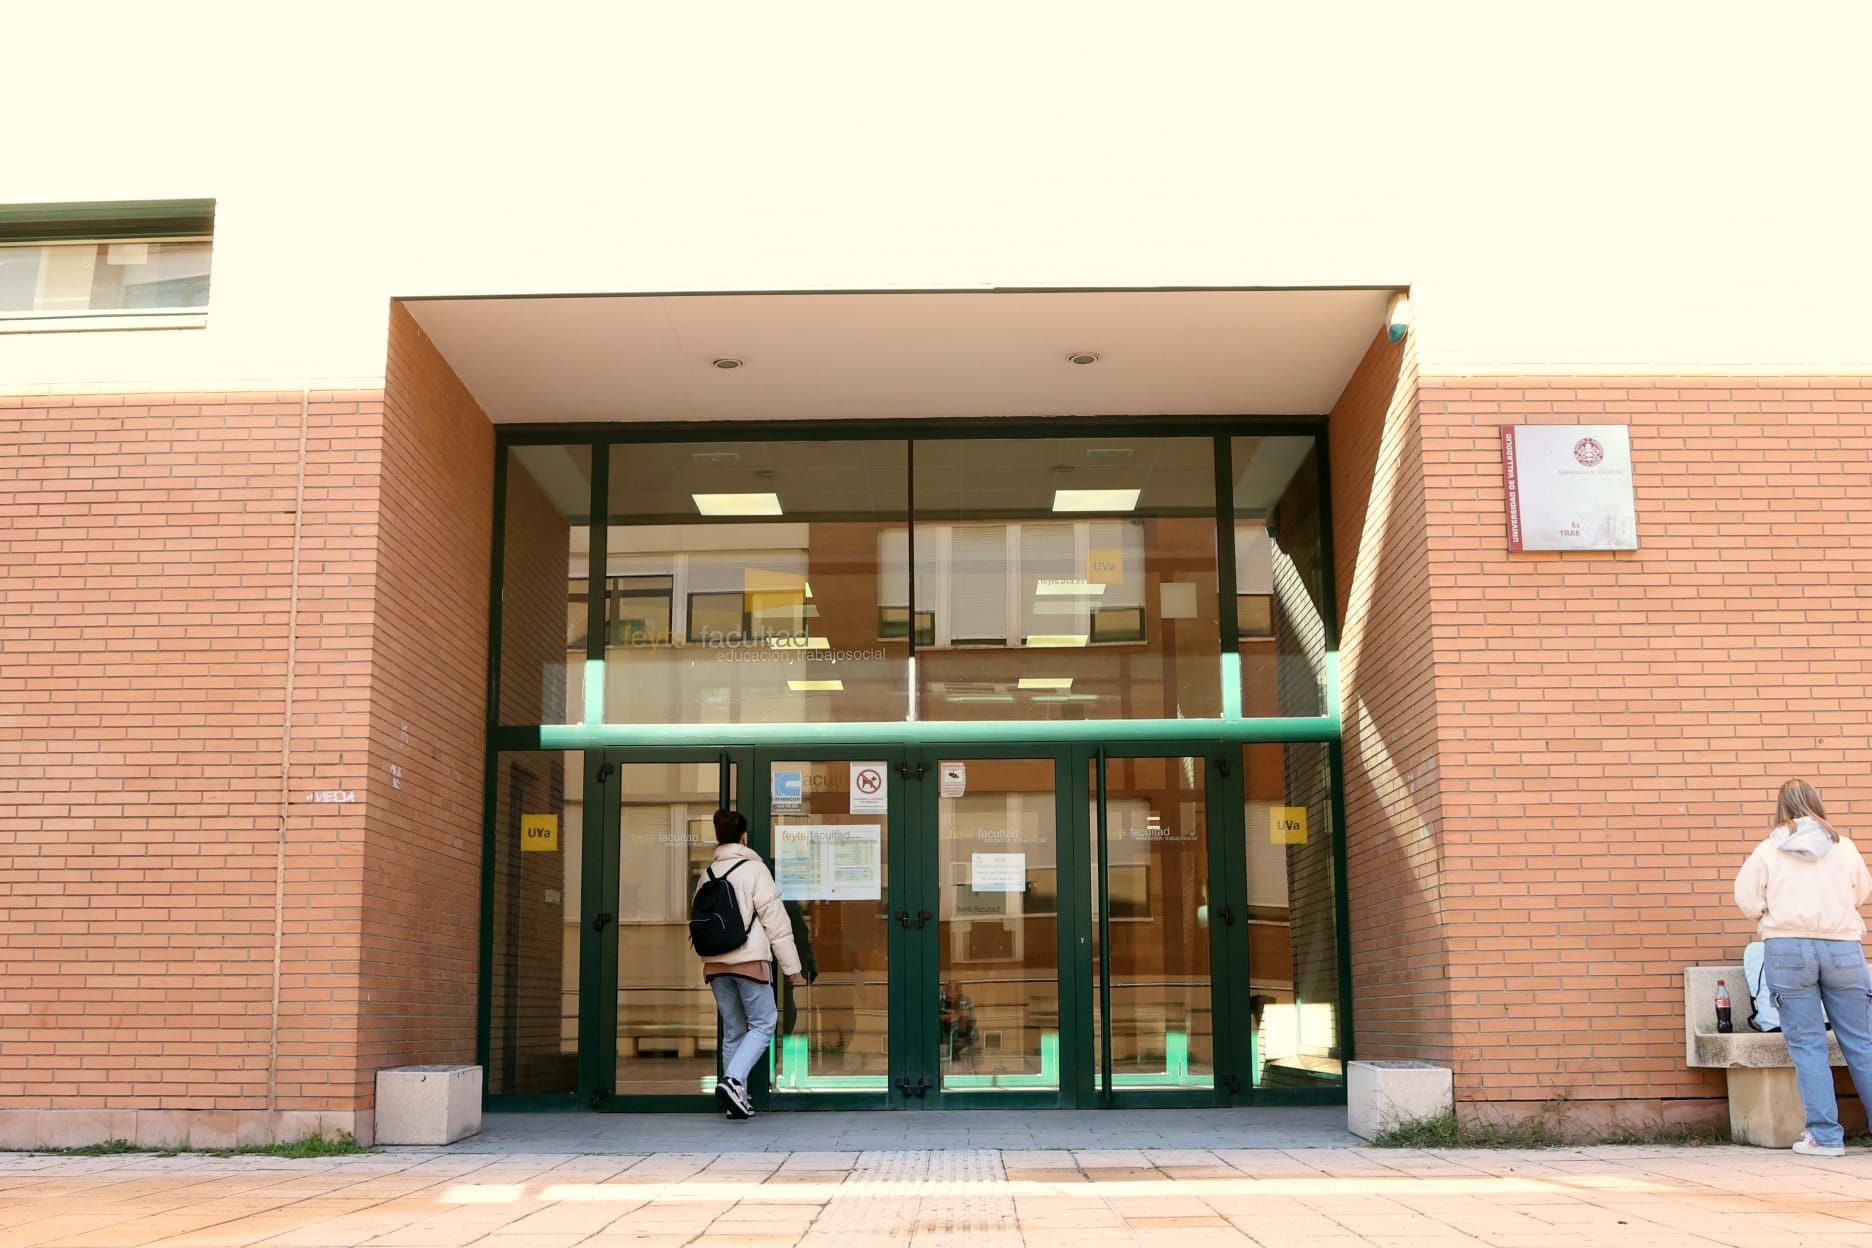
1163,966
829,821
995,872
654,1023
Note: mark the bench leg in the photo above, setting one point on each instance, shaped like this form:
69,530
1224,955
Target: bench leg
1765,1106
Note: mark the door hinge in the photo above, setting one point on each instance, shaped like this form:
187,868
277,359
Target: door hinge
1232,1083
1222,765
604,772
598,924
1227,913
599,1096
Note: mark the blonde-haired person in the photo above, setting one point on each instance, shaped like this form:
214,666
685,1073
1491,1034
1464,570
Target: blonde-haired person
1805,883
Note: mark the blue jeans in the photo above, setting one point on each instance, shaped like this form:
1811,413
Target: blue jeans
1801,975
748,1019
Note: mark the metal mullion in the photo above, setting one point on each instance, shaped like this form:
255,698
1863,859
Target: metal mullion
1228,627
597,580
1104,943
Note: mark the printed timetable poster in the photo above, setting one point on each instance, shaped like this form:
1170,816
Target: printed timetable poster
829,861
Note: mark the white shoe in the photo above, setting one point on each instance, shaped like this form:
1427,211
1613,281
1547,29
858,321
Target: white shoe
1806,1147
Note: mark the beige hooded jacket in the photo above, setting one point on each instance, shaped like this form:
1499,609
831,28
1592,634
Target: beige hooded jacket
770,935
1801,882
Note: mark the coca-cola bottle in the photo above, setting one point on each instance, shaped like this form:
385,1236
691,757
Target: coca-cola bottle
1723,1020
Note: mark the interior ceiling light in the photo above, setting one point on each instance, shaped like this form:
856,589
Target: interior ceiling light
737,504
1046,682
816,686
728,361
1084,357
1059,640
1095,500
1068,589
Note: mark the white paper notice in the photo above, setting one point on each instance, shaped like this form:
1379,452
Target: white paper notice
998,873
829,862
869,795
954,779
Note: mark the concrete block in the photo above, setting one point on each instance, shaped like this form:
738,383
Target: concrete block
427,1104
1381,1095
1765,1106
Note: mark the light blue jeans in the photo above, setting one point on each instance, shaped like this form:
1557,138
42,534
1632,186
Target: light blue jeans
1802,974
748,1019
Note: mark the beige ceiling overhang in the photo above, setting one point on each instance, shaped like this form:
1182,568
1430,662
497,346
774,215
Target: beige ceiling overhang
898,354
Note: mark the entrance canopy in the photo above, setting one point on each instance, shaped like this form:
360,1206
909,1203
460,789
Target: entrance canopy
894,354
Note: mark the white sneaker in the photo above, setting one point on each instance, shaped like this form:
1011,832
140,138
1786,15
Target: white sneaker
1807,1147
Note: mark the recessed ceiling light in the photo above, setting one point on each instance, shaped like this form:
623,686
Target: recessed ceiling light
1095,500
1069,589
1084,357
737,504
1056,639
1046,682
728,361
816,686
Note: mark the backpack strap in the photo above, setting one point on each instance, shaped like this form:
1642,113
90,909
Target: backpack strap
730,871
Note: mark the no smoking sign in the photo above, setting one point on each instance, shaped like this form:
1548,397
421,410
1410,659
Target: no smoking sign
868,794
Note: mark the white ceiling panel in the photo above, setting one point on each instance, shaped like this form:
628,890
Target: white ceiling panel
842,356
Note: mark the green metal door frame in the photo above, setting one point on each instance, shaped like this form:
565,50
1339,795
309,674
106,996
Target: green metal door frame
1230,1039
598,952
1069,870
901,987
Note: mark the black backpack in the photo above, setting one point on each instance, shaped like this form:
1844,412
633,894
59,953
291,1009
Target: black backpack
715,922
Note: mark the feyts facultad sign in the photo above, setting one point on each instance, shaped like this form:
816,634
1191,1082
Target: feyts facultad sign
1569,487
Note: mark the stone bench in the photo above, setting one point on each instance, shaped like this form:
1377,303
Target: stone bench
1764,1099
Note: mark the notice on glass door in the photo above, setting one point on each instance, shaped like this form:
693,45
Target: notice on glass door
998,873
829,862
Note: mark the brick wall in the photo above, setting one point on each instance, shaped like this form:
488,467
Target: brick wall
1613,727
218,606
1400,960
420,927
146,563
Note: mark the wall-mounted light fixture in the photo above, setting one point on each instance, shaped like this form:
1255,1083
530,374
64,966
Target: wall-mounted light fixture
1398,316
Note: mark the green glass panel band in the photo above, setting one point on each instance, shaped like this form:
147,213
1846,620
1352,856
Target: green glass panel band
1082,731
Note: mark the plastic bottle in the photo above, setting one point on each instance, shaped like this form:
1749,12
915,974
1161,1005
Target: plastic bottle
1724,1022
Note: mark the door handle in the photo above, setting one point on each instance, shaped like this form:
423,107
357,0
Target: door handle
924,1085
922,917
903,919
1227,913
598,924
903,1086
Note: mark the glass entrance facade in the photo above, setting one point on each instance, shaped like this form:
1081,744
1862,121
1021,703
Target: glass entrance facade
1031,721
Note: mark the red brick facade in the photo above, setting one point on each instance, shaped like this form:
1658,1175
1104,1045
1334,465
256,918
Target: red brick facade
1563,758
216,607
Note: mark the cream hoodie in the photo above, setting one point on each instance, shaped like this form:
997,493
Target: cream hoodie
770,934
1800,882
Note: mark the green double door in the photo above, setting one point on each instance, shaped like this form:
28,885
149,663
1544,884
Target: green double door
983,926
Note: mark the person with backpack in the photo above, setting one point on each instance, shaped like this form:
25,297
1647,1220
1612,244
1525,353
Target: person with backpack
1805,884
739,928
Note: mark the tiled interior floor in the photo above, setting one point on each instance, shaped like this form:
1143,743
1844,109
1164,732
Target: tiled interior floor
933,1198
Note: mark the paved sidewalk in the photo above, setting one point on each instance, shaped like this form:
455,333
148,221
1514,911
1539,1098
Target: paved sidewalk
1186,1198
820,1132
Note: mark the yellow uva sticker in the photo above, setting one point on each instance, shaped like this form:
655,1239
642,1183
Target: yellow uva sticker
539,833
1287,825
